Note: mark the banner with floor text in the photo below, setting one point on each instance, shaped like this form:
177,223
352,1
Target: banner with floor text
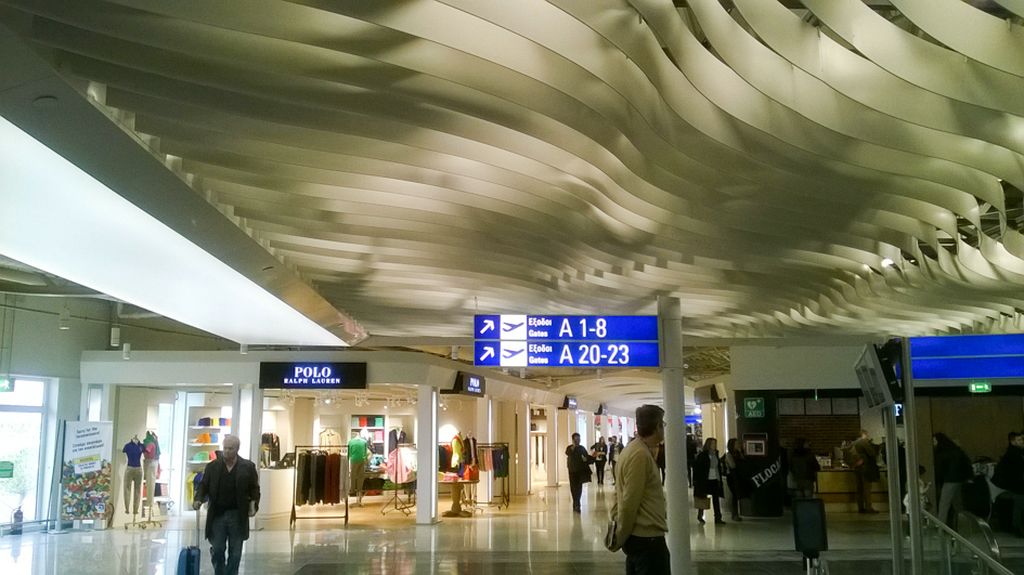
87,470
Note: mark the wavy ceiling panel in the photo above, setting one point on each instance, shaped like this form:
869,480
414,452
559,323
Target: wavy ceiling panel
845,168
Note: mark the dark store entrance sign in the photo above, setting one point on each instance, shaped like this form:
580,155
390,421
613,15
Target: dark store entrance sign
309,375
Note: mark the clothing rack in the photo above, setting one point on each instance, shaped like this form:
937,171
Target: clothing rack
343,481
503,496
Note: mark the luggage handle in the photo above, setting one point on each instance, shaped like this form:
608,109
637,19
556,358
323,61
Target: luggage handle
198,516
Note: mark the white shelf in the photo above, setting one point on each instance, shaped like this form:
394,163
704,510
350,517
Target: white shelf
204,445
209,427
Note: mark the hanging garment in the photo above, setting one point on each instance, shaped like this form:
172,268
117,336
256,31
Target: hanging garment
470,455
444,457
332,479
501,462
457,451
302,478
330,438
401,465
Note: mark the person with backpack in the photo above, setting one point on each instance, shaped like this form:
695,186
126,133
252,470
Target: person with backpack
952,470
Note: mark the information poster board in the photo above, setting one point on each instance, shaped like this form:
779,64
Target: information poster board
86,471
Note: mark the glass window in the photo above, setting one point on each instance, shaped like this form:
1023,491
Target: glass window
20,445
27,393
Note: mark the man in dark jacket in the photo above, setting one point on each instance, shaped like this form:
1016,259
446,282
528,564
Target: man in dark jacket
231,485
578,461
1009,475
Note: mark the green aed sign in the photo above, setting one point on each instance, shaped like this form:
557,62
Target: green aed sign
980,387
753,407
6,469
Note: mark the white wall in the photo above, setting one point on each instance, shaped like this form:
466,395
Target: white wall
763,367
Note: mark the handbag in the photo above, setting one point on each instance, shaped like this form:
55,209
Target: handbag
609,536
702,503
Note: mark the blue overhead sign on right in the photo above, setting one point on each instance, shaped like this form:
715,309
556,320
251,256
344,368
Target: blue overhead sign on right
967,356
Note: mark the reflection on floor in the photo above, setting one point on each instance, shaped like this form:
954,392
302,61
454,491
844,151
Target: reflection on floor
536,535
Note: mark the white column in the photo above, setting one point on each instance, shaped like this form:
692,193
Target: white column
671,346
426,455
910,423
256,429
565,427
485,434
552,463
236,407
524,465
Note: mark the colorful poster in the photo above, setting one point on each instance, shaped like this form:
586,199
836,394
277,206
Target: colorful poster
87,471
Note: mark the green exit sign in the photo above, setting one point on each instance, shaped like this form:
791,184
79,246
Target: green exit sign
6,384
6,470
980,387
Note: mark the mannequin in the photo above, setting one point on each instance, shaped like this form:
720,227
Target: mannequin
133,451
358,454
151,456
395,438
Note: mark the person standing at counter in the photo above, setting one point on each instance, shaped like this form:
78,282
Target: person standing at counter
952,470
803,467
865,468
707,479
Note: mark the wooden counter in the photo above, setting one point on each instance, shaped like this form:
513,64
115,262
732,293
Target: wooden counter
838,489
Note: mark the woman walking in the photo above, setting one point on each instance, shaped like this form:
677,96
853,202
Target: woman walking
734,464
599,451
707,480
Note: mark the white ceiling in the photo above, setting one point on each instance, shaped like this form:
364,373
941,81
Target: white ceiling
836,167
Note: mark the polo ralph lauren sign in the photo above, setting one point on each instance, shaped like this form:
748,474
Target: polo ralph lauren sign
306,375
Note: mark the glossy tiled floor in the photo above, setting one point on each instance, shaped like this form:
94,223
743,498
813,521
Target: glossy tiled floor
537,535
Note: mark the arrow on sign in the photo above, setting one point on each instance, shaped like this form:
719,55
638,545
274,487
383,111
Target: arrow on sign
488,353
488,326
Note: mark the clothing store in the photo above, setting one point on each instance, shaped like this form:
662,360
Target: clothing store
339,437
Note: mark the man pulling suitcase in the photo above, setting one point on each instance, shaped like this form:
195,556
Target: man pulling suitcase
231,486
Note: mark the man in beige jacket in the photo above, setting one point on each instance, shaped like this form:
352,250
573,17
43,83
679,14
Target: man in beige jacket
640,508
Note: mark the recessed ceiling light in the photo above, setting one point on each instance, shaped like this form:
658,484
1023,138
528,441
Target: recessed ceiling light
45,101
887,263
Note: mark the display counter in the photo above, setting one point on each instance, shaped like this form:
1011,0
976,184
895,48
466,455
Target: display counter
276,491
838,489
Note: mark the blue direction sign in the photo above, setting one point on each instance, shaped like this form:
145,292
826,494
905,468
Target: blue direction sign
567,354
566,327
